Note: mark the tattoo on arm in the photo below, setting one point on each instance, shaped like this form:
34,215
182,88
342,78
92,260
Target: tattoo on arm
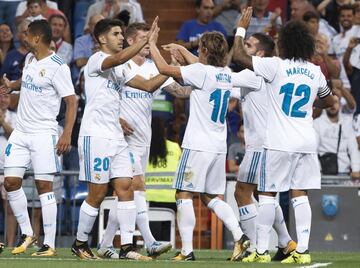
178,90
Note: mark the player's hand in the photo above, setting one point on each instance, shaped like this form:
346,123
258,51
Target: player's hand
245,18
172,46
153,27
176,58
128,130
154,36
6,87
63,144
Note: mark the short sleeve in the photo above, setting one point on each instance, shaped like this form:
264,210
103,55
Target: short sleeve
193,75
124,73
265,67
62,81
95,62
324,89
247,79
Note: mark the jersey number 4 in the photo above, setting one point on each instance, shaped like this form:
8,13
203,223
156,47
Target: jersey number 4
301,91
221,102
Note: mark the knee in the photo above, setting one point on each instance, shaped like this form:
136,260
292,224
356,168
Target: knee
12,184
243,195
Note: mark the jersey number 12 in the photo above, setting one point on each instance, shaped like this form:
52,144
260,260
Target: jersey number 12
294,110
220,105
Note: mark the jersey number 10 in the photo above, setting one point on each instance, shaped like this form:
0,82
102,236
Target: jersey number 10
294,110
220,103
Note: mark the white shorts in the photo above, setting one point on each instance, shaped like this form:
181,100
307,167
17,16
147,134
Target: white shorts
201,172
140,157
39,150
103,159
281,171
249,170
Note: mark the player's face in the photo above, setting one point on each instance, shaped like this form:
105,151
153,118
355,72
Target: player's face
31,40
114,39
57,28
346,19
4,102
251,46
141,35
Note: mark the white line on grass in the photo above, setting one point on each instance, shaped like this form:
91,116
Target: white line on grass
315,265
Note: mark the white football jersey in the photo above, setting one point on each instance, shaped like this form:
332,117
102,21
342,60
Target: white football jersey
43,84
254,111
102,92
135,104
206,128
292,88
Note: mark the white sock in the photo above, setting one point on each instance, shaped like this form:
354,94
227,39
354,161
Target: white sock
302,211
227,216
248,218
265,221
87,218
280,227
186,223
142,218
111,227
126,214
49,212
18,203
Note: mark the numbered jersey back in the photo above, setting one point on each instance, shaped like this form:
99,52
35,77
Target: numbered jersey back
292,88
206,128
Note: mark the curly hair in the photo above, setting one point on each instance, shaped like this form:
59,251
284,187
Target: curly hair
296,42
217,48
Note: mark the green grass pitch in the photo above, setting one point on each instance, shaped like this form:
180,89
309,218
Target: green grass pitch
204,259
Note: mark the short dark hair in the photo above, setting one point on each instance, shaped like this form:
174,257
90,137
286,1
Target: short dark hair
217,48
198,3
57,16
347,7
296,42
136,26
29,2
103,26
266,43
308,15
42,28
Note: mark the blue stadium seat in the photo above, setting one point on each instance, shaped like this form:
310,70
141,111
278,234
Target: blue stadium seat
79,16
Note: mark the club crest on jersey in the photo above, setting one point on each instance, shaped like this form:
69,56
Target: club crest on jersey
42,73
97,176
188,176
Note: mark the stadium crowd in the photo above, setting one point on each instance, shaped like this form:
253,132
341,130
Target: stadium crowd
78,41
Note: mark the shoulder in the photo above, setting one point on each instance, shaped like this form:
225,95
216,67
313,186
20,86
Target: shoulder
57,60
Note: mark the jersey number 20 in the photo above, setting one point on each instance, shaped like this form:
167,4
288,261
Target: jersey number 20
220,104
301,91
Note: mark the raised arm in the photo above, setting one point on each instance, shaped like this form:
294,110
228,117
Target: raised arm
129,52
150,85
188,56
239,54
161,64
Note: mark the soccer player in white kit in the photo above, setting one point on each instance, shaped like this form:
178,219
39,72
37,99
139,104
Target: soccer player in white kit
45,80
135,112
254,110
289,160
202,164
103,151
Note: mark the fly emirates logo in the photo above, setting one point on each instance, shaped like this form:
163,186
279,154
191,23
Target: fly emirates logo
27,83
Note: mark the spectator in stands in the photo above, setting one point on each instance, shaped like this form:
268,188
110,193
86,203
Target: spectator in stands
6,41
83,47
336,135
12,65
7,12
330,9
330,67
347,101
34,8
236,152
58,24
264,20
349,30
111,8
7,122
226,13
191,30
47,9
300,7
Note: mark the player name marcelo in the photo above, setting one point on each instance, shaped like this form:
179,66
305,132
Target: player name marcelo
299,70
28,84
